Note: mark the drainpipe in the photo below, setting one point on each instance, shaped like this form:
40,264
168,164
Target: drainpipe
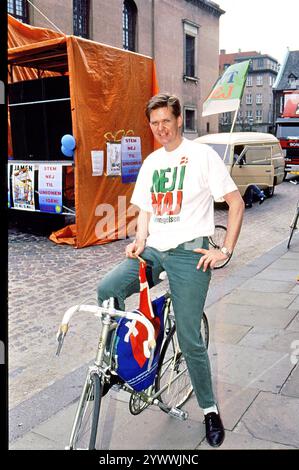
153,29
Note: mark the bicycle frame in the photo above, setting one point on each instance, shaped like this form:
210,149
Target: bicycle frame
104,365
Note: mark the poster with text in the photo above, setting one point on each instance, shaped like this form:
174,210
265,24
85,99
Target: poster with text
130,158
9,167
113,159
97,162
23,186
50,188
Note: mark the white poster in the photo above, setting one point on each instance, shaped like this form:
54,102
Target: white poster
113,159
23,186
50,188
97,162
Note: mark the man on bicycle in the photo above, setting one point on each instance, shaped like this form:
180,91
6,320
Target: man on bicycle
175,191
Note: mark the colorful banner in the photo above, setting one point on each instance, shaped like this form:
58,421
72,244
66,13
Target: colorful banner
130,159
227,93
23,186
50,188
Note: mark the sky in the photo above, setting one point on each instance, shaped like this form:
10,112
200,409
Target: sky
266,26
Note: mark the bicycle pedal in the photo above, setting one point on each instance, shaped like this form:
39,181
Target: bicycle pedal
178,414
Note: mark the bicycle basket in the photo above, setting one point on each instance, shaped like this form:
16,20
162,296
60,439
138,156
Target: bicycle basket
130,363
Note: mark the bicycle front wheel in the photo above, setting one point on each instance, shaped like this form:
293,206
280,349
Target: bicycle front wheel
217,242
86,422
173,371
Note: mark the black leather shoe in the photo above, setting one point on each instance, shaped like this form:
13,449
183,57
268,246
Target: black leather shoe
214,429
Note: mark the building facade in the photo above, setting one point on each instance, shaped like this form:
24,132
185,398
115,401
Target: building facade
256,111
287,81
181,35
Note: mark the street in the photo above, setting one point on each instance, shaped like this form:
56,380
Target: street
45,279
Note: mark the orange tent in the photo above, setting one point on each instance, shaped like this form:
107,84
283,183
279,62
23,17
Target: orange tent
109,88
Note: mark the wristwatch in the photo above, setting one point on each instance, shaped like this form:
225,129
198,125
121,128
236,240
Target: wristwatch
226,252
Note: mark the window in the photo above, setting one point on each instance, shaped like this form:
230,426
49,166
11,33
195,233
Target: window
292,80
271,80
248,98
81,18
129,25
190,59
259,80
18,9
259,98
190,49
260,63
259,115
190,119
249,115
249,80
226,118
258,155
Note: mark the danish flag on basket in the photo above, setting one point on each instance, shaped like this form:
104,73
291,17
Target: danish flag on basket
134,364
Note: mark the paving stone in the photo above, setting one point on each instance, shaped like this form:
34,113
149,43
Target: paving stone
295,289
153,429
268,286
249,367
227,332
250,315
294,324
274,418
291,387
265,299
286,263
278,275
238,441
271,339
233,400
295,303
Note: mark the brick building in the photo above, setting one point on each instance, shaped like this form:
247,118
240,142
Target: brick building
256,109
181,35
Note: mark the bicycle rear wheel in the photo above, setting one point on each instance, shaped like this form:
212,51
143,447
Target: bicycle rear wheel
86,423
217,242
173,363
293,227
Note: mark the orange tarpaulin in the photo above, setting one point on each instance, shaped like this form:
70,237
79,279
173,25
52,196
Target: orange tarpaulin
109,88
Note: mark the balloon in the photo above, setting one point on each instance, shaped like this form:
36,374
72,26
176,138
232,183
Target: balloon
68,142
67,152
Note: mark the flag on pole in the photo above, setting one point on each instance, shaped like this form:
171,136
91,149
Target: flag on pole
228,90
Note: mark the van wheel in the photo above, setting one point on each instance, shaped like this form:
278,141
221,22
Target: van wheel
269,191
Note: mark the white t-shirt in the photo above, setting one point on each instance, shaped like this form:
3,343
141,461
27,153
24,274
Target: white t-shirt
179,189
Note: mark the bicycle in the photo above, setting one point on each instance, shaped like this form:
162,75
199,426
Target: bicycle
293,225
217,241
170,390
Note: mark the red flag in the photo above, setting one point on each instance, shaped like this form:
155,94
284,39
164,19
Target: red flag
139,333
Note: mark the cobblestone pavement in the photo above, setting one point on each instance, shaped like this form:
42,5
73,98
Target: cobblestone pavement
45,279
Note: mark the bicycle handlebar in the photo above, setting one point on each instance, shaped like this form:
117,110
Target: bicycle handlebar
107,309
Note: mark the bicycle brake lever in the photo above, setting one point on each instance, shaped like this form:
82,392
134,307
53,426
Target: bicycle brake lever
60,340
60,337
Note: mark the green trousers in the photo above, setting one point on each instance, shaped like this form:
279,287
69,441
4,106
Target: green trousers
188,287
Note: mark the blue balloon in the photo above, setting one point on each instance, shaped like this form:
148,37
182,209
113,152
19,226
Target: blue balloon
68,142
67,152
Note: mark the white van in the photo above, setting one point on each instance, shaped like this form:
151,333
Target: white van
251,158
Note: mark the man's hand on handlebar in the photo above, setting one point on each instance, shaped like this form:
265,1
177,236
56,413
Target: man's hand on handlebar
135,248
